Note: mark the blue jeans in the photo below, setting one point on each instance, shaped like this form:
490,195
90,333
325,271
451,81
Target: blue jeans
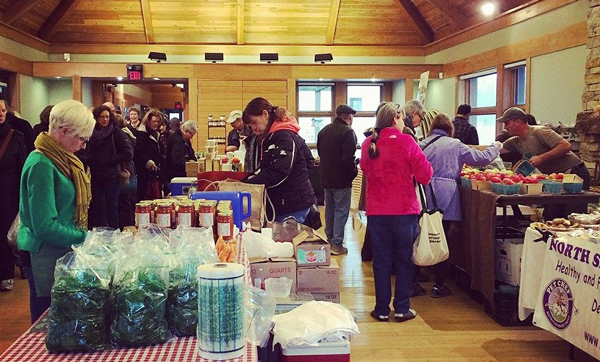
105,196
37,305
337,207
299,215
392,237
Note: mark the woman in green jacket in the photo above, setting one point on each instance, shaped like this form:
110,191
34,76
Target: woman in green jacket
55,196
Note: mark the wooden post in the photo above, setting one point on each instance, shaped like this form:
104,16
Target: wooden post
408,89
77,93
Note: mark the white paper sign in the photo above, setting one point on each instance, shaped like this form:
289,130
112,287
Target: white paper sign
568,303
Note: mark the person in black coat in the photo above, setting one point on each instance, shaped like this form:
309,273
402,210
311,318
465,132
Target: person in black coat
284,160
179,150
44,124
23,126
147,156
107,151
11,165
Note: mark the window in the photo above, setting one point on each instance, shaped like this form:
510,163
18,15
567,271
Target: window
360,125
364,98
520,79
315,109
481,95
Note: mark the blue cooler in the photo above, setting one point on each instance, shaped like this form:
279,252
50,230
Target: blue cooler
237,202
181,185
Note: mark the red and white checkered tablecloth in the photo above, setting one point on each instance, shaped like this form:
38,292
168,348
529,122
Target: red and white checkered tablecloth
31,346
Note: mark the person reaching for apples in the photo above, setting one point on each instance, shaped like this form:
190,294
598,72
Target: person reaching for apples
545,149
447,156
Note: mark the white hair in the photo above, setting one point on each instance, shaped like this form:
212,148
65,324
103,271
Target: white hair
190,125
73,115
414,106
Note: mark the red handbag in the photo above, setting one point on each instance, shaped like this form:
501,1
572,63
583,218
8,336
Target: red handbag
206,180
154,190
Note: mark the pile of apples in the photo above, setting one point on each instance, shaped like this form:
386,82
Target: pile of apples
506,177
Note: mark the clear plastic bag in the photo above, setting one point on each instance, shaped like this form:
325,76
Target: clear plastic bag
139,295
259,311
190,247
80,295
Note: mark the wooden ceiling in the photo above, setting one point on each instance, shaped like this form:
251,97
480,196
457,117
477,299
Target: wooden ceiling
393,23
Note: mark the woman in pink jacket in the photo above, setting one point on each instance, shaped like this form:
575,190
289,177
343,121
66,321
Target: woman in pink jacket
390,160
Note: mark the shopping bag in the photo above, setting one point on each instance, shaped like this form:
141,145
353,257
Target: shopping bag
154,190
11,237
258,196
431,246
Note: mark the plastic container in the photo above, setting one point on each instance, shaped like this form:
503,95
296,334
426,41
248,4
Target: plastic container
573,188
278,287
465,182
506,189
324,352
553,187
181,185
237,203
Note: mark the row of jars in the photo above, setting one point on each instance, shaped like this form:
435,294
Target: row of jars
171,213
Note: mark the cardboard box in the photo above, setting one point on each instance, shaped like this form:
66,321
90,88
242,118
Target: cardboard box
262,268
508,261
327,297
311,249
191,167
481,185
532,189
321,279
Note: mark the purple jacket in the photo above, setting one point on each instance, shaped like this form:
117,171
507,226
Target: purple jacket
447,156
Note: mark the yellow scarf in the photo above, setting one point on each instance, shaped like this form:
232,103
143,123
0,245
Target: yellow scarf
70,166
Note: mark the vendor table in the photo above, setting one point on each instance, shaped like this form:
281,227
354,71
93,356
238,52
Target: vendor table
31,347
559,284
478,230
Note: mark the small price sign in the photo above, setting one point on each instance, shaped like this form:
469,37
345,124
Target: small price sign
135,71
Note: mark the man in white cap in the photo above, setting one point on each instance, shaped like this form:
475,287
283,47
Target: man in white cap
238,133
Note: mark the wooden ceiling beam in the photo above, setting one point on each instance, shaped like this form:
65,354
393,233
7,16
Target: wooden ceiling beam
59,14
147,17
334,12
457,19
418,19
17,10
240,22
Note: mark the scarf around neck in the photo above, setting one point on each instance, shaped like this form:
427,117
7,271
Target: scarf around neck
101,133
70,166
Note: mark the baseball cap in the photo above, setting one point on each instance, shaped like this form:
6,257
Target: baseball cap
234,115
512,113
344,109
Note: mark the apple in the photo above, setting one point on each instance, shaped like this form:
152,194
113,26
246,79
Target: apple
236,160
480,177
502,175
515,178
224,160
463,173
530,180
508,181
542,176
560,176
496,180
489,176
552,176
472,176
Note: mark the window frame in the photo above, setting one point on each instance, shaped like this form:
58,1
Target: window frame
314,114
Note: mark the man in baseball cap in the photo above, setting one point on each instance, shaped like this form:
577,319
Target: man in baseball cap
239,131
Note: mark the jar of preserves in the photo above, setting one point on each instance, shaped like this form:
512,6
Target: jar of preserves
164,215
206,214
186,214
142,214
225,224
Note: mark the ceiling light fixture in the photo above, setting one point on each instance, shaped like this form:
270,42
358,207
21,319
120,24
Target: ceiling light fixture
488,8
156,78
269,57
58,77
119,78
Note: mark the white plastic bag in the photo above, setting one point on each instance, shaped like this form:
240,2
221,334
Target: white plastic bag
431,247
312,322
259,246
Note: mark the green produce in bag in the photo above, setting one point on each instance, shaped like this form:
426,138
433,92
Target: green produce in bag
139,296
79,299
190,247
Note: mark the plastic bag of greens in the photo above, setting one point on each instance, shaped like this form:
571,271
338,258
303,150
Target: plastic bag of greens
139,293
77,319
190,247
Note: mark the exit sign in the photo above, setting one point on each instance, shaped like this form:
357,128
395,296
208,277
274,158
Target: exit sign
135,71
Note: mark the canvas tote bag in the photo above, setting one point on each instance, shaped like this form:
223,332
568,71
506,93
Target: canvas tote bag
258,196
431,246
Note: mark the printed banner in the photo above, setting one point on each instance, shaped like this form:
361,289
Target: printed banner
568,303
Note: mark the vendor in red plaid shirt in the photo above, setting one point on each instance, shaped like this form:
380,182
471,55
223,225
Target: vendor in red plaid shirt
463,130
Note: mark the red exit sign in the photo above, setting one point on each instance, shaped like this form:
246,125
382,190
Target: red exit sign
135,71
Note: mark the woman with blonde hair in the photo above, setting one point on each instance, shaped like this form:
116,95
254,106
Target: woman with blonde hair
55,196
447,156
389,161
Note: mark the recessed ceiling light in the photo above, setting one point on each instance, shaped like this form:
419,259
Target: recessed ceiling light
156,78
320,79
119,78
373,80
488,9
58,77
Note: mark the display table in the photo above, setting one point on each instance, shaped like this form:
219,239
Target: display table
478,230
31,347
559,284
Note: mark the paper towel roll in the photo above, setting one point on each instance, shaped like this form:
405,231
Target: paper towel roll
221,311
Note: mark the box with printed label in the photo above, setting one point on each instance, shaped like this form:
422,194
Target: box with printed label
311,249
321,279
327,297
508,261
262,268
191,167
